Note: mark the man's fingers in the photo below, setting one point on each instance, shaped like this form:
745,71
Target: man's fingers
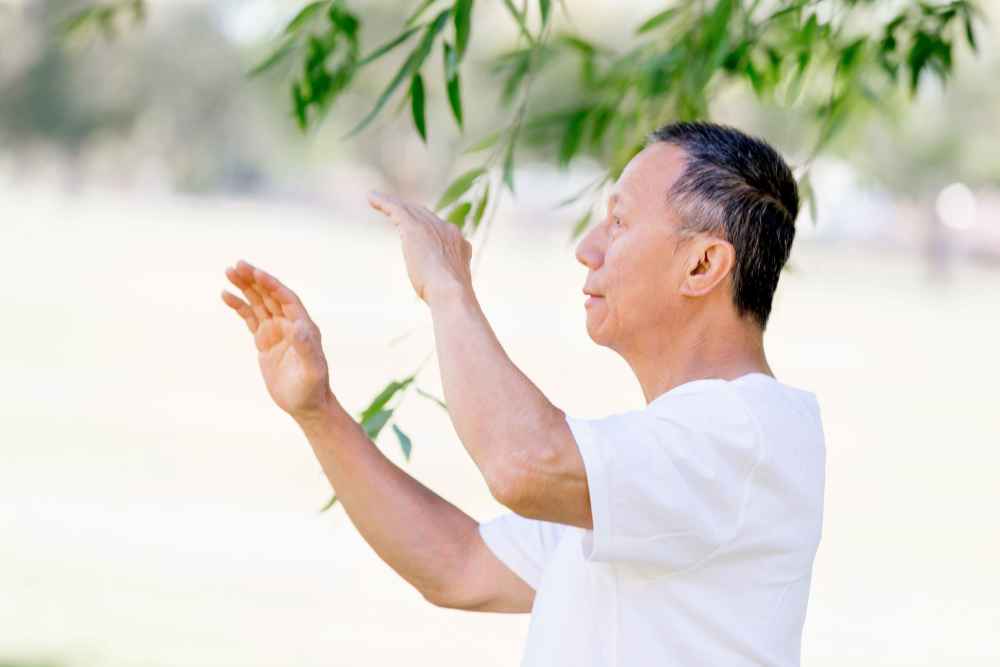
378,200
402,212
389,205
272,306
289,302
242,308
252,275
242,277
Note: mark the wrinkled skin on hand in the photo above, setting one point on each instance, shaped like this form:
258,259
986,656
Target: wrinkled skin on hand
437,255
288,342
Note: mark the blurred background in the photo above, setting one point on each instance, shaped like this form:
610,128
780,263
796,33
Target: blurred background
157,509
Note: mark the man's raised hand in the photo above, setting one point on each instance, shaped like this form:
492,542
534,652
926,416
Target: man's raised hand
288,343
437,255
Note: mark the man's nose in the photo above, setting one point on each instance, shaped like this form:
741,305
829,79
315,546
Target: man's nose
590,251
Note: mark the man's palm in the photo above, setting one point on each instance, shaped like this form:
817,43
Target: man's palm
288,343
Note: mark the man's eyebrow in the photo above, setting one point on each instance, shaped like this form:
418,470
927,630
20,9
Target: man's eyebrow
618,201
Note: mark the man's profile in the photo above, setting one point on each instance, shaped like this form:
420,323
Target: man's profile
682,533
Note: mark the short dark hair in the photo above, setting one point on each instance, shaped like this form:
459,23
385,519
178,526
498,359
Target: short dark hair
740,188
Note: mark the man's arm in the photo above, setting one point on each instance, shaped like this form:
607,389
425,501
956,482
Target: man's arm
430,542
427,540
520,441
518,438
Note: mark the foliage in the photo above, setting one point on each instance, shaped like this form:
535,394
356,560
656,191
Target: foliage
106,16
833,59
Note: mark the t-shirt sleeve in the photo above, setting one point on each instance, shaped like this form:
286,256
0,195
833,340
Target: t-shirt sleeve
522,544
669,484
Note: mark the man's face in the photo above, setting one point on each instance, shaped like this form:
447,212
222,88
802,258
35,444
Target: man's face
635,270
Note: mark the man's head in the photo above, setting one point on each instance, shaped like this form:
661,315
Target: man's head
700,222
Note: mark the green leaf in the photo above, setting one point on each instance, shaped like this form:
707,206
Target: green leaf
795,86
794,7
808,32
276,57
105,17
581,225
477,217
459,214
417,106
385,396
484,143
138,10
849,56
404,441
345,21
656,20
79,20
519,18
970,34
737,56
433,398
833,116
304,15
373,425
508,165
299,106
329,504
452,85
544,7
418,12
520,65
716,36
388,46
410,67
571,138
602,116
917,58
458,187
455,100
450,61
463,25
807,193
756,80
582,46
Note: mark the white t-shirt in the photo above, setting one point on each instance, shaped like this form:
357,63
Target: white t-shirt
707,508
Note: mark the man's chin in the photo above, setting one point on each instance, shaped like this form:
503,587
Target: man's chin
595,334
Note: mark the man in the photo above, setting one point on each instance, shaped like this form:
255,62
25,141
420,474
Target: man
679,534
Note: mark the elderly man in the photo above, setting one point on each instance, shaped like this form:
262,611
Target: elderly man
682,533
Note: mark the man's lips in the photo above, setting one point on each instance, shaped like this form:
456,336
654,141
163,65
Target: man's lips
592,297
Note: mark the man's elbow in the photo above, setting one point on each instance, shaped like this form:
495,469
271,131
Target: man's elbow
513,479
437,600
504,484
514,483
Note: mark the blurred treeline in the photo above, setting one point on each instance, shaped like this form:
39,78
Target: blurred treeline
167,103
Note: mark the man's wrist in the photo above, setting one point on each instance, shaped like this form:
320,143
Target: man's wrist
329,417
450,293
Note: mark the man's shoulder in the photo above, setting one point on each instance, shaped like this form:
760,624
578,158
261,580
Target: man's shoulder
731,408
715,394
731,405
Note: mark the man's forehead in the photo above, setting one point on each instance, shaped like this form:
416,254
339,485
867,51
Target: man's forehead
649,174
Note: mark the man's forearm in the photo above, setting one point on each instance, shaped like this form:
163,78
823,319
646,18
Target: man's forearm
416,532
501,417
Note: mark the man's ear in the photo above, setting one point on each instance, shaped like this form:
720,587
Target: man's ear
710,260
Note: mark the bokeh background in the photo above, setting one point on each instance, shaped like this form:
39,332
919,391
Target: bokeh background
156,509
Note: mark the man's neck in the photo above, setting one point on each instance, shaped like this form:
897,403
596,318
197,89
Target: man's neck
725,349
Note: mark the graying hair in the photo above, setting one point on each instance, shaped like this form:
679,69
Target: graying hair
739,188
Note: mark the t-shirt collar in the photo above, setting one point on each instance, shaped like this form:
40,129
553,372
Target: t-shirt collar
700,383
